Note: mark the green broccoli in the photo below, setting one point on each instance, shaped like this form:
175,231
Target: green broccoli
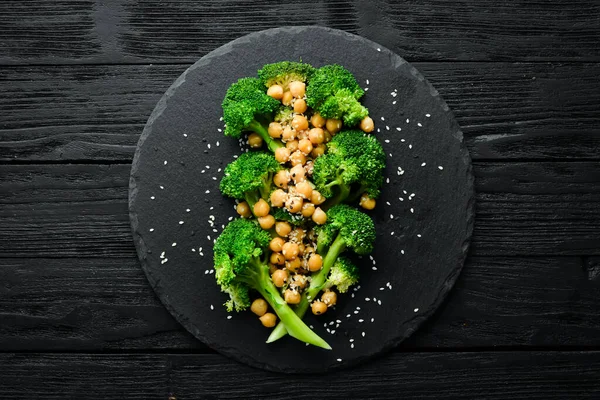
343,274
354,230
247,107
250,177
240,258
334,93
353,164
282,73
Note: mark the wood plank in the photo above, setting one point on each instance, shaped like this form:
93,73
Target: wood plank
134,31
490,375
507,111
91,304
523,209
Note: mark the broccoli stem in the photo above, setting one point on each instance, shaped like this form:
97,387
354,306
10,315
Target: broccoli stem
251,198
340,197
292,322
272,144
317,284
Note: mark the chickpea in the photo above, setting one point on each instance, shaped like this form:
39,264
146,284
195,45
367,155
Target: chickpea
317,198
318,307
275,130
275,91
300,106
297,88
366,202
329,298
289,250
315,262
268,320
309,167
281,179
308,209
294,204
282,155
327,137
259,307
299,122
243,209
277,259
302,135
282,228
298,157
297,234
301,248
333,125
318,151
304,146
255,141
286,99
299,281
272,268
317,121
276,244
292,146
297,173
266,222
316,135
293,265
367,124
309,250
261,208
288,134
278,198
319,216
304,188
291,296
279,277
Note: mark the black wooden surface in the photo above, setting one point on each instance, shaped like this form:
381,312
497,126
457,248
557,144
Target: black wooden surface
78,81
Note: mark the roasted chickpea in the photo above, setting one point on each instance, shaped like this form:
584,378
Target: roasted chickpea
297,234
277,259
299,122
318,151
275,130
268,320
276,244
282,155
333,125
304,188
327,137
300,106
289,250
317,198
287,98
317,121
278,198
279,277
255,141
294,204
308,209
281,179
316,136
304,145
292,146
298,157
288,134
315,262
297,173
282,228
366,202
291,296
275,91
297,88
243,209
329,298
261,208
367,124
318,307
259,307
293,265
266,222
319,216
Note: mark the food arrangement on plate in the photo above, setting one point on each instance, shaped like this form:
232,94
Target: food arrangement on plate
312,169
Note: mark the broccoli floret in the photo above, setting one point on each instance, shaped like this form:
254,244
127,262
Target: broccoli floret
354,231
334,93
282,73
250,177
343,274
352,166
247,107
284,115
240,258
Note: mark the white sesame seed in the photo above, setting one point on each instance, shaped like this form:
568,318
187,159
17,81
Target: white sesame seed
391,216
394,102
367,299
378,49
372,319
374,268
401,199
388,203
379,302
366,89
416,310
387,140
367,81
165,163
440,168
174,244
407,120
391,155
185,135
382,118
378,130
418,235
402,251
208,237
229,317
419,124
339,360
412,210
180,222
164,261
361,320
351,345
405,192
187,210
348,315
207,191
398,129
387,127
151,229
410,146
363,334
424,164
387,180
152,197
161,187
162,255
381,288
355,312
428,115
392,234
403,140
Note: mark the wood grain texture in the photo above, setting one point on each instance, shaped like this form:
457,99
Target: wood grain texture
507,111
489,375
135,31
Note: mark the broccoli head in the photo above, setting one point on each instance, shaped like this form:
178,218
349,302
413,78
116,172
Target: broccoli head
343,274
334,93
282,73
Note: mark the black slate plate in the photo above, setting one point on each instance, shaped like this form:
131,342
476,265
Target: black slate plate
424,217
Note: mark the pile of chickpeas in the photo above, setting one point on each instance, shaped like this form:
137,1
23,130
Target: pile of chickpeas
293,257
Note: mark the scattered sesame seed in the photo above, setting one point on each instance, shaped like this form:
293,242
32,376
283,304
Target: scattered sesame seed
391,216
378,130
351,345
412,210
387,180
151,229
410,146
392,234
440,168
164,261
348,315
162,255
403,140
394,102
378,49
407,120
229,317
367,81
419,124
366,89
363,334
165,163
405,192
218,144
174,244
361,320
187,210
388,203
383,119
185,135
161,187
387,127
339,360
418,235
390,154
398,129
372,319
402,251
381,288
367,299
374,268
416,310
355,312
424,164
208,237
207,191
379,302
180,222
401,199
428,115
152,197
387,140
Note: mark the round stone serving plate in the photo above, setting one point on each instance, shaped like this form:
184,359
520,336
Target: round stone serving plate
424,217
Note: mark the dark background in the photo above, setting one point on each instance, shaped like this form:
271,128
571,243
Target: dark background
78,79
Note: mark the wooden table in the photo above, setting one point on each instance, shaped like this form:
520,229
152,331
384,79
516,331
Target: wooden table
78,80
